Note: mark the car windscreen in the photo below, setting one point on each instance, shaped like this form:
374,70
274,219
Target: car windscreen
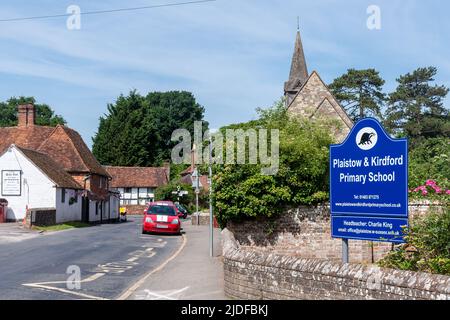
181,208
161,210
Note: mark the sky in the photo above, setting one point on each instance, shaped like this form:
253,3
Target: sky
233,55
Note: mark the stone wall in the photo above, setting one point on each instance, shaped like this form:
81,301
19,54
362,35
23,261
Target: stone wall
202,219
251,274
315,101
303,232
306,232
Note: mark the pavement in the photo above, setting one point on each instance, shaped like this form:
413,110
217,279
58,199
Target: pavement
15,232
191,274
106,259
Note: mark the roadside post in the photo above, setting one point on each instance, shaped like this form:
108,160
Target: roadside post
369,186
179,193
211,223
345,258
196,186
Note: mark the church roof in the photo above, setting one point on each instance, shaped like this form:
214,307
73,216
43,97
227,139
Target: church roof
299,70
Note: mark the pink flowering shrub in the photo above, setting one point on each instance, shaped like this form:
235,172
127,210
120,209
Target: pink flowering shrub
430,188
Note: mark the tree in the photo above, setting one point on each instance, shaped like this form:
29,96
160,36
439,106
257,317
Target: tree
360,93
416,107
137,129
188,200
45,116
242,192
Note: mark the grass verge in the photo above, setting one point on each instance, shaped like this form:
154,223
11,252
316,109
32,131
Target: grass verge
63,226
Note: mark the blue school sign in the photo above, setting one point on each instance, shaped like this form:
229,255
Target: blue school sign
369,185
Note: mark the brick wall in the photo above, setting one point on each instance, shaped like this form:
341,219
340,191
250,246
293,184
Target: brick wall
252,274
303,232
306,232
135,209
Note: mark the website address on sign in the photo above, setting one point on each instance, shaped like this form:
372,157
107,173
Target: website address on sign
368,204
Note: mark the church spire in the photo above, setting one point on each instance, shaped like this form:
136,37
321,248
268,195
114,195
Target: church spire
299,70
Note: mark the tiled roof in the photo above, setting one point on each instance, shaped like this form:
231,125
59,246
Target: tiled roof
51,169
128,177
27,137
64,145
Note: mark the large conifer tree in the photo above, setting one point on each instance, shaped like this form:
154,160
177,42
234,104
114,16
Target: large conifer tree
137,130
416,108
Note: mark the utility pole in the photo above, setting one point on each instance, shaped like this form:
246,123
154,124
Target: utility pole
211,223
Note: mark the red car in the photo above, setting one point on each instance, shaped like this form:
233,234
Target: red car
161,217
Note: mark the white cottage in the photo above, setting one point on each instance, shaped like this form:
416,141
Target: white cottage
32,180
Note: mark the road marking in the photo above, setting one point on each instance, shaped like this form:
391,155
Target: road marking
79,294
132,259
161,295
115,267
44,285
135,286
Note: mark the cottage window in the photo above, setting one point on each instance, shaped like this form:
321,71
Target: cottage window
63,195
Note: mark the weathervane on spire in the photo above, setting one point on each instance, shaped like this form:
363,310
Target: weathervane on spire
298,23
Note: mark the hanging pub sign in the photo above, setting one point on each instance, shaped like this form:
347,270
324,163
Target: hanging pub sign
369,185
11,182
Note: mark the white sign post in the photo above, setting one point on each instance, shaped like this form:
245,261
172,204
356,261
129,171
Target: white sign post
196,185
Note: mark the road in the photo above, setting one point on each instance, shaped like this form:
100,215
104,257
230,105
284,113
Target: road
111,257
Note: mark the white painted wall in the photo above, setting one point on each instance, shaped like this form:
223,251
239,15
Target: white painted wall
143,193
38,191
64,210
93,217
114,207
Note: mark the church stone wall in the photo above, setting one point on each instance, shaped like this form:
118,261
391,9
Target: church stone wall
316,101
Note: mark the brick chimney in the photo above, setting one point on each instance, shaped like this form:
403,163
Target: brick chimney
166,166
26,115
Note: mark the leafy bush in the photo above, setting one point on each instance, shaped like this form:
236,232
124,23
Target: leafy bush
165,193
427,246
430,160
242,192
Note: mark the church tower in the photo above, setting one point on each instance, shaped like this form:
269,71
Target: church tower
299,72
